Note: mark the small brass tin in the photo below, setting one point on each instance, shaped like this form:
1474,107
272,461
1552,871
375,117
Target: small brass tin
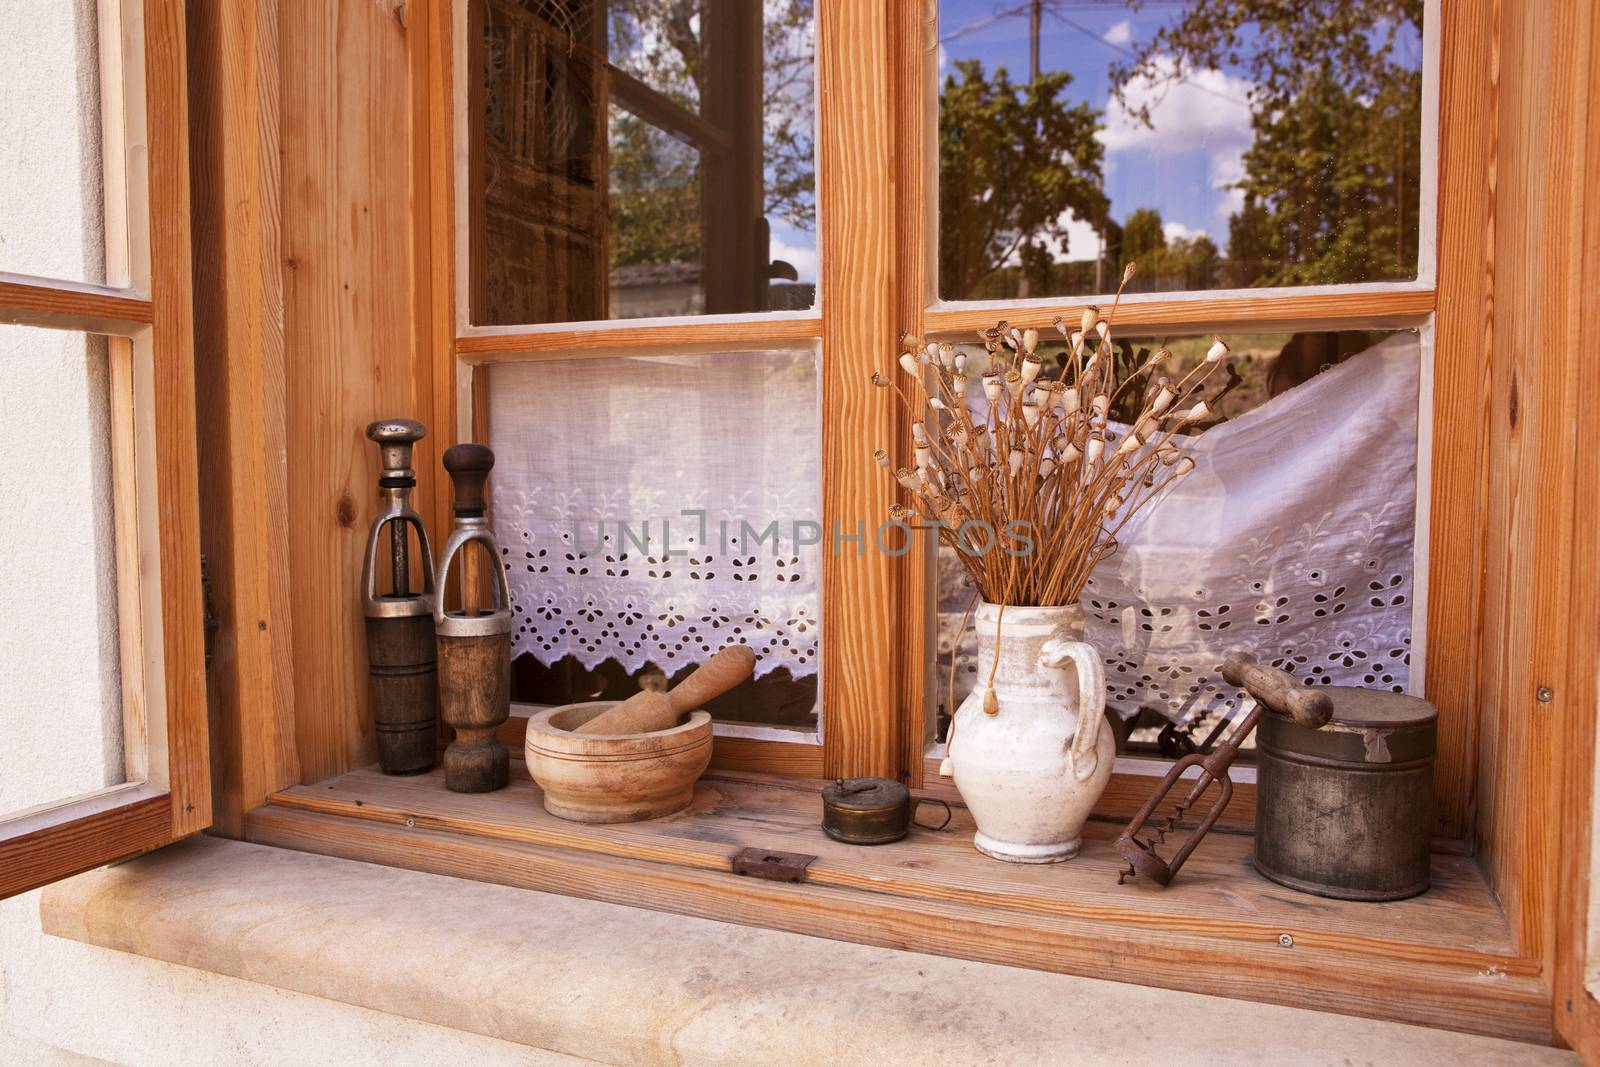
868,811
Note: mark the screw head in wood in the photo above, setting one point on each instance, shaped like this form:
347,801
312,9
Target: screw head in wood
1545,694
1285,941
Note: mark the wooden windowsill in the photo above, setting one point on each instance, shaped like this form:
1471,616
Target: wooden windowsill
1446,959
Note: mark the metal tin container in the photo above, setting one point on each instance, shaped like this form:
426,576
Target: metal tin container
1346,811
870,811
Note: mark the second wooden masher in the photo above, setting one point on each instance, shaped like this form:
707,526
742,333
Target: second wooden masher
474,643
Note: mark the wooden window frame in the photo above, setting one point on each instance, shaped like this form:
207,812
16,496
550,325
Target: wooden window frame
145,312
877,142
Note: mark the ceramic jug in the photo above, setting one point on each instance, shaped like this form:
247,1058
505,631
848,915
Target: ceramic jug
1031,771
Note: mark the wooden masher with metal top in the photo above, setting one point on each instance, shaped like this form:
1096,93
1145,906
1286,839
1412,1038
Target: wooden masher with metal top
474,644
399,623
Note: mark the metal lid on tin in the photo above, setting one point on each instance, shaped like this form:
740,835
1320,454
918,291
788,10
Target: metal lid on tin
1354,706
865,794
1369,727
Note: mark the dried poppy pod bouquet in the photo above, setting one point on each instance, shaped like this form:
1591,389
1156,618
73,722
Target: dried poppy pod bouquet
1033,492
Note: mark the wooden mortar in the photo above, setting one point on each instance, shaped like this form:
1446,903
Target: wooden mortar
601,778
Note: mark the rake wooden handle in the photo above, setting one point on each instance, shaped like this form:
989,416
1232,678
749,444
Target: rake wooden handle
647,711
1277,690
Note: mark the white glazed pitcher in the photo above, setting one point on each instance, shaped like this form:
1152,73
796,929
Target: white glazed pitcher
1031,772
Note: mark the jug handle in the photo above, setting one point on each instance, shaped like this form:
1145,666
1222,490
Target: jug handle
1057,651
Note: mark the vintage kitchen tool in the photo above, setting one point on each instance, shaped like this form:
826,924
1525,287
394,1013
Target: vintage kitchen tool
400,648
1347,811
601,778
1273,690
649,709
872,811
474,645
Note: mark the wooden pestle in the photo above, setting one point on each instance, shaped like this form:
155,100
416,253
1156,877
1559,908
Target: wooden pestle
1278,690
648,710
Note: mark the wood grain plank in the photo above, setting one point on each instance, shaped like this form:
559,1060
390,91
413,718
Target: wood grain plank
1447,995
1527,642
239,303
349,339
492,345
861,702
188,756
914,46
72,838
1246,310
71,305
1577,1011
1219,894
1462,353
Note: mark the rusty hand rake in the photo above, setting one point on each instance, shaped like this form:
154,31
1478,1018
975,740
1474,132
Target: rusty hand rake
1273,690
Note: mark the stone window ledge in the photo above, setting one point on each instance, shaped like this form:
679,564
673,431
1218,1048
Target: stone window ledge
620,985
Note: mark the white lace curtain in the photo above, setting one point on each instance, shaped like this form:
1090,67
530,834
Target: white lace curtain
655,509
1292,537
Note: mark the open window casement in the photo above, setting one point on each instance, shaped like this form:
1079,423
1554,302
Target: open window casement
104,702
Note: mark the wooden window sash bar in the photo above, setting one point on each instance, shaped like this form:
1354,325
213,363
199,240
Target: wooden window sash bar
30,301
55,841
1320,307
611,337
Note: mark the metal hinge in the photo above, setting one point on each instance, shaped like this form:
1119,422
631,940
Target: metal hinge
773,866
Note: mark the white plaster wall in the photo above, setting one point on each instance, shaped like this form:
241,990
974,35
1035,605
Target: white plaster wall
64,1003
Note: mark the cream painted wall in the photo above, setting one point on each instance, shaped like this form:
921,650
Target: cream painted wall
62,1002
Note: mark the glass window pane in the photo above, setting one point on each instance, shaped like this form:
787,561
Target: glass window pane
52,217
1293,539
60,677
1217,143
642,158
653,510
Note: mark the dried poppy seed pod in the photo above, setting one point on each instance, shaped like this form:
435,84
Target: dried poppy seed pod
1198,412
936,404
908,479
1030,367
1015,460
919,434
1014,384
879,379
1093,449
1068,452
908,363
1100,403
991,703
960,362
1185,465
1103,328
1145,428
1169,455
1162,354
1129,443
881,458
957,435
1163,398
1047,466
1070,400
1076,339
991,387
924,459
1091,315
1030,412
1030,341
947,355
1128,272
932,351
958,383
1060,324
1217,350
